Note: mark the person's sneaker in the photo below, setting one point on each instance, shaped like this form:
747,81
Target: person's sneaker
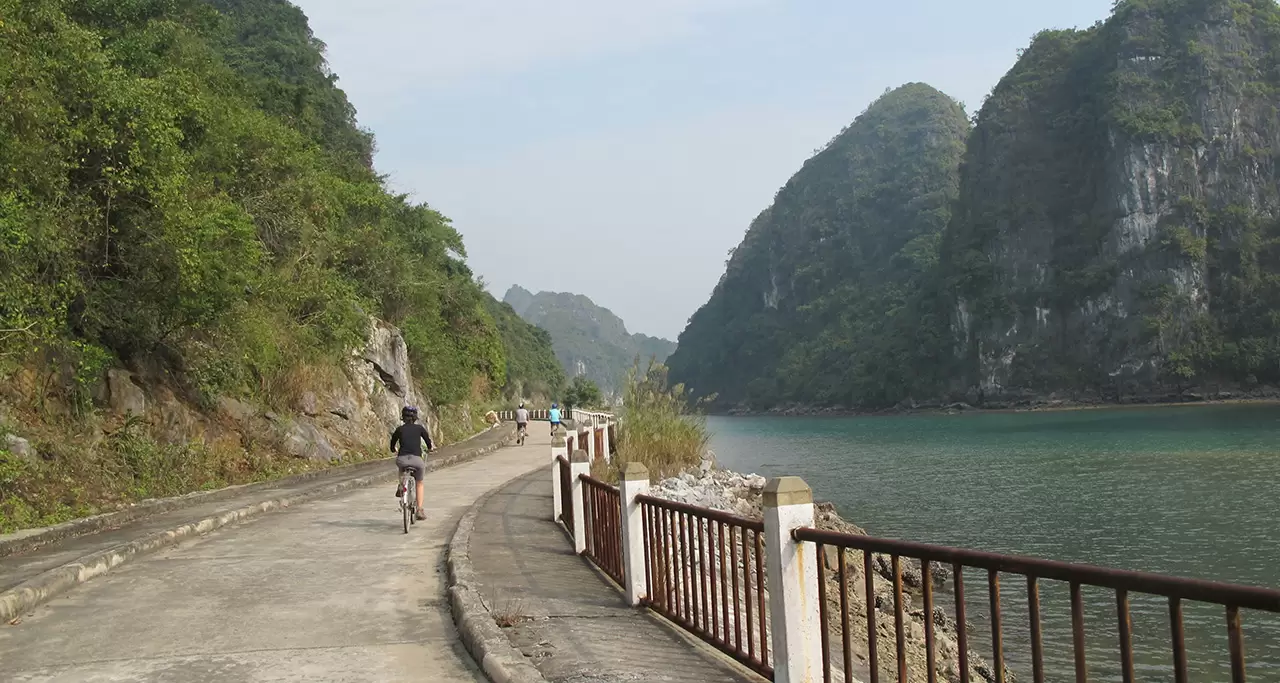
421,515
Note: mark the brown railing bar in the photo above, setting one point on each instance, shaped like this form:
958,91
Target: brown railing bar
1247,597
899,625
1235,637
737,609
721,530
673,552
705,513
824,615
1077,633
649,548
926,579
1179,641
873,651
746,593
764,632
997,638
1126,636
703,578
686,570
846,634
962,624
1037,644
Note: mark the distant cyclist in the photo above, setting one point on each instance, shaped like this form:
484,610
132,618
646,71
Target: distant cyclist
411,436
522,421
554,416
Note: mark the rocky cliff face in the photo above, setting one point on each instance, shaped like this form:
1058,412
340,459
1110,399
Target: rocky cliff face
588,339
1116,232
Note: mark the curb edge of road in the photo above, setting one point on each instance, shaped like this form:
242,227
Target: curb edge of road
501,661
44,586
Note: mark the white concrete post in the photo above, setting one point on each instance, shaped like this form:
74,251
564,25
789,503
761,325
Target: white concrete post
581,465
792,574
608,454
635,482
558,448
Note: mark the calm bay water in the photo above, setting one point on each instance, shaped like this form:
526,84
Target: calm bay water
1190,491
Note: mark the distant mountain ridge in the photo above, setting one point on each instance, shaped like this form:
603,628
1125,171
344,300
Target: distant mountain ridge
588,339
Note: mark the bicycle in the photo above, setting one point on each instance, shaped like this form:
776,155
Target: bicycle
408,497
520,435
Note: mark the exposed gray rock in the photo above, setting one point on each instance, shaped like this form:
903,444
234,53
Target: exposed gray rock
304,440
307,404
124,396
19,446
237,410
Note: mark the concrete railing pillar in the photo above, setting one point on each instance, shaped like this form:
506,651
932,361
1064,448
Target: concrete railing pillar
608,448
635,482
581,464
558,448
792,574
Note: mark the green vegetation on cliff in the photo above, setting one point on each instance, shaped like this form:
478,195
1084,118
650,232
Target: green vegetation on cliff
831,297
589,340
182,181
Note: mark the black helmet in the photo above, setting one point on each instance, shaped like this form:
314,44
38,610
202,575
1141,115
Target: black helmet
522,404
409,412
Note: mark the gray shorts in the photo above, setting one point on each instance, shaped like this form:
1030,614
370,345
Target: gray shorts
414,461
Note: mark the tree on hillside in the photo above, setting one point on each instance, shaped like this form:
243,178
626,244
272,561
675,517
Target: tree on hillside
582,393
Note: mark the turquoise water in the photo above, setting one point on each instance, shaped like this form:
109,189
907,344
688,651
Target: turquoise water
1190,491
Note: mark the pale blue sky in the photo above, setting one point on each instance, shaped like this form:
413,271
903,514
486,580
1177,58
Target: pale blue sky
620,149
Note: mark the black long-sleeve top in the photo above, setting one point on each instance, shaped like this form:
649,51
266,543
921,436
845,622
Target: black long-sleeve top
410,437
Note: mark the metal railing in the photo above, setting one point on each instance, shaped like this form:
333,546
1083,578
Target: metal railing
603,516
704,570
566,493
1232,598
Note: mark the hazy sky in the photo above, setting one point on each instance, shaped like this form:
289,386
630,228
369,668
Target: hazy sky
620,149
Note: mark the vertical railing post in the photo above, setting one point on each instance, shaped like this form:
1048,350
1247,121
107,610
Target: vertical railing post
608,456
792,573
635,482
558,448
580,464
591,436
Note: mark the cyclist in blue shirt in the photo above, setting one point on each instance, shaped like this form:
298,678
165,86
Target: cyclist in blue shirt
554,416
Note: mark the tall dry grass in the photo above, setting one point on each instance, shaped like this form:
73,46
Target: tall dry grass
659,428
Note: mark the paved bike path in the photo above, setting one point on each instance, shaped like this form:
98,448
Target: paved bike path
331,590
577,629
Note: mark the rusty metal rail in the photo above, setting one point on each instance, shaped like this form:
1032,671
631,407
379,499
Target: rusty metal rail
566,493
602,509
1232,598
704,570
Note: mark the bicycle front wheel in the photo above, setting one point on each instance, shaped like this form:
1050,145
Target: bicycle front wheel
408,515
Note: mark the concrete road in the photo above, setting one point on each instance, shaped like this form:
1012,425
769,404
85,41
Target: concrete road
332,590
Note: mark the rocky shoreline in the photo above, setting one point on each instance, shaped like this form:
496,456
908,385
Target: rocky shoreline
1021,403
742,494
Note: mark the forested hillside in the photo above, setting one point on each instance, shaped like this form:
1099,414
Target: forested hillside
191,231
589,340
832,297
184,182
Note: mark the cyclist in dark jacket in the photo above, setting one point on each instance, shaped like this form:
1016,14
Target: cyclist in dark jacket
411,436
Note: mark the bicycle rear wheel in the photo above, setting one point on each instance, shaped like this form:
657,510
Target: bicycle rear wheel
405,510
